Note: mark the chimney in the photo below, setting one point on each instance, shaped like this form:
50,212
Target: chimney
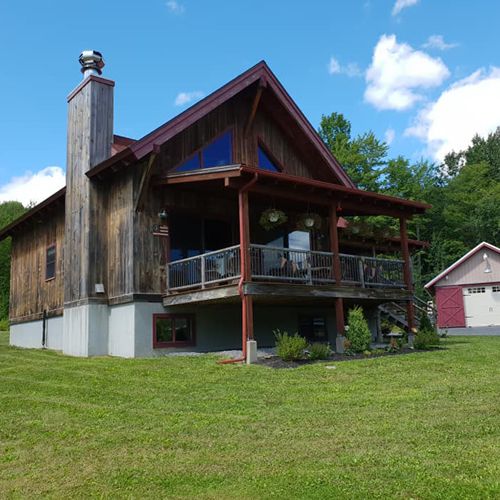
90,135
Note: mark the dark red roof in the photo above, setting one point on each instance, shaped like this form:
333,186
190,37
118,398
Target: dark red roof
142,147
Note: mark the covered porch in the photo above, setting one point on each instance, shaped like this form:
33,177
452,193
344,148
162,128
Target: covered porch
291,263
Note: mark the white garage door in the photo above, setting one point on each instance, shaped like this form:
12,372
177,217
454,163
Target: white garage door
482,305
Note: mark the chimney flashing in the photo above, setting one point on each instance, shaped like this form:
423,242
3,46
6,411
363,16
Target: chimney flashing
87,80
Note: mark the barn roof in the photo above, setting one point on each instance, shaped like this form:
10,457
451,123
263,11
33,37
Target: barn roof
460,261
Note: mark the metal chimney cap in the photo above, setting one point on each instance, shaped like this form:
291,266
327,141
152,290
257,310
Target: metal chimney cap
92,62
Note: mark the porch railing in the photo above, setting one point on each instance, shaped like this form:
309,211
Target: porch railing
274,264
291,265
205,269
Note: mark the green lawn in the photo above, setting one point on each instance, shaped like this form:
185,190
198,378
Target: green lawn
424,425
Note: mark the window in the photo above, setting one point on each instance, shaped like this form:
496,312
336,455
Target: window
477,289
313,328
50,263
495,289
173,330
216,154
265,162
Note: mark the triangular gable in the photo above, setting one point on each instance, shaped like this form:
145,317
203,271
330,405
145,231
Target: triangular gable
460,261
260,72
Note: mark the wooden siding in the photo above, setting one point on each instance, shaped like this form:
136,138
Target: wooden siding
234,115
30,293
472,270
90,135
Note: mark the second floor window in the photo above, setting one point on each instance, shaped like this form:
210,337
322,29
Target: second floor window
217,153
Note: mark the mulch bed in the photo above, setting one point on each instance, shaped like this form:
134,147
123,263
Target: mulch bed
276,362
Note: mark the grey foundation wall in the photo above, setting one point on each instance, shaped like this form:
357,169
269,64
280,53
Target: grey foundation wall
29,334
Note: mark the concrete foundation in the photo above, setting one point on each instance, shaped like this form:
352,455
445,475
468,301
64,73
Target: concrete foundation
251,352
339,344
30,334
85,331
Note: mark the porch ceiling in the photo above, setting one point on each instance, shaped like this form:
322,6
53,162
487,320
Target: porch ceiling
349,201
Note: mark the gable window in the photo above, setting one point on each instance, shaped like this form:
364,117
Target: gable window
313,328
217,153
173,330
265,160
50,263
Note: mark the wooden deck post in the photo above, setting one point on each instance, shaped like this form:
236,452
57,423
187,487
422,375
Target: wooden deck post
337,274
246,300
405,251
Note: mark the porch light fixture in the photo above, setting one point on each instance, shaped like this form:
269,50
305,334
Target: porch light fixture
163,215
487,267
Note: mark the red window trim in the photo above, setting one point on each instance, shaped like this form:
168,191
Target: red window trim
265,148
189,317
199,151
47,248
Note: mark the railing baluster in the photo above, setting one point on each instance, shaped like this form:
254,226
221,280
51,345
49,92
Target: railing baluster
361,267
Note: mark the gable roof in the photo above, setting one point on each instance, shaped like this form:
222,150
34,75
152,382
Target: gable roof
260,72
460,261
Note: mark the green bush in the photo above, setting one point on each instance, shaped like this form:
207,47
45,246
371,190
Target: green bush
425,322
319,351
358,332
4,325
289,347
427,335
425,339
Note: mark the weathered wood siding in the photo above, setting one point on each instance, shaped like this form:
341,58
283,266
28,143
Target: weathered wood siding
233,115
90,135
30,293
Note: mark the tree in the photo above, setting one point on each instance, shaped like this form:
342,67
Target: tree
362,157
9,211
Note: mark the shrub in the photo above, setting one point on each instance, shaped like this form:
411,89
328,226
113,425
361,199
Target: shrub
289,347
4,325
319,351
425,339
427,335
425,322
358,332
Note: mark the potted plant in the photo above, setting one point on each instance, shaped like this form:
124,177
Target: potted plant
272,218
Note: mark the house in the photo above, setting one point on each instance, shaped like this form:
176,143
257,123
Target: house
211,231
468,292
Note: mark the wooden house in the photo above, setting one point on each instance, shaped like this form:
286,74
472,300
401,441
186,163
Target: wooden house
468,292
178,240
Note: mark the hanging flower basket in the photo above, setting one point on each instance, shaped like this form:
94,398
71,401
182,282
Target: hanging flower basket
272,218
309,222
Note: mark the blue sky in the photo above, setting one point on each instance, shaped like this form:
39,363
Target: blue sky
424,74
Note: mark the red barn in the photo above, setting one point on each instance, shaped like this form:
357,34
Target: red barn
468,292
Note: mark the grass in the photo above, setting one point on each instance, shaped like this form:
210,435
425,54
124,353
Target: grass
425,425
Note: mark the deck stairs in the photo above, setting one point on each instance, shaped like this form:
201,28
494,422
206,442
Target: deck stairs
396,312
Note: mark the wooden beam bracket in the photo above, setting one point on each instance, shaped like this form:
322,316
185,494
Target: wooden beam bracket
146,176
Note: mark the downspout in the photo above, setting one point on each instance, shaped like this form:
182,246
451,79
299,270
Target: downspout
243,259
44,329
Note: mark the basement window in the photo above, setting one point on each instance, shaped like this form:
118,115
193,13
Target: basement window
50,263
313,328
173,330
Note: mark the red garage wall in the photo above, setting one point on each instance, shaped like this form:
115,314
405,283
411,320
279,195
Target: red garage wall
450,306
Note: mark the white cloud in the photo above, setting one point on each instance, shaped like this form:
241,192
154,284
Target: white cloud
33,187
402,4
437,42
396,73
468,107
350,69
389,136
175,7
187,97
